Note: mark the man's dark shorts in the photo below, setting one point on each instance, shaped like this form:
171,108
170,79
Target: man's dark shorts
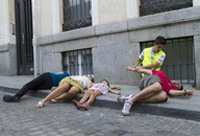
148,80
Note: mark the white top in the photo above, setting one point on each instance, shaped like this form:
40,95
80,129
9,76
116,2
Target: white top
85,81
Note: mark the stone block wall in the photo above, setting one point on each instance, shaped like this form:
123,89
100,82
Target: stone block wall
117,45
8,60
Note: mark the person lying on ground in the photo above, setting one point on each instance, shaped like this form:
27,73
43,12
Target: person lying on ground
73,84
155,87
97,89
44,81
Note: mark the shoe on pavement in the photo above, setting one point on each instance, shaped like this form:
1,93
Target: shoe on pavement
53,101
84,106
9,98
126,108
122,98
40,104
76,104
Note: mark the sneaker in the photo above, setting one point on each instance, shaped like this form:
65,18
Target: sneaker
9,98
122,98
126,108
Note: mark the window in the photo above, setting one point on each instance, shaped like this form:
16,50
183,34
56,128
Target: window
77,14
179,63
149,7
78,62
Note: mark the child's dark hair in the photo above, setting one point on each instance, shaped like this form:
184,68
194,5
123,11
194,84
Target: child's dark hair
160,40
106,81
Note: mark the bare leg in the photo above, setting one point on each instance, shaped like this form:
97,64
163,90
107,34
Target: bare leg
57,92
158,97
68,95
146,93
93,96
86,96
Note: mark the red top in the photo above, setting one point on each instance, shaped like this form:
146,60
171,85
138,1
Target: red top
166,83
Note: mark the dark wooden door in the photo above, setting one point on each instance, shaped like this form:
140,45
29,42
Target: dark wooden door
23,16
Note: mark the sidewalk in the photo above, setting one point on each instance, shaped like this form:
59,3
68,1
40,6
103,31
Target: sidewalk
187,107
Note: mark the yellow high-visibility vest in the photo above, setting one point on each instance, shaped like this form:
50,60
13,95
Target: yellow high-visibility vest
148,60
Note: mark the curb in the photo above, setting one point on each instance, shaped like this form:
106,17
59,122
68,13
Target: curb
152,109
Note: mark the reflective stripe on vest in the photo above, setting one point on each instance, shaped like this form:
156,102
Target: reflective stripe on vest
148,60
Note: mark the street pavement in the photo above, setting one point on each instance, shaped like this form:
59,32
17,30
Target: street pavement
63,119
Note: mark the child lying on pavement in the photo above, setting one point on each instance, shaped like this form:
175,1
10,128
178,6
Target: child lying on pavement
96,90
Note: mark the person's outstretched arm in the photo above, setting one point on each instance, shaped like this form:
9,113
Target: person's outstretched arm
115,87
114,91
180,92
144,71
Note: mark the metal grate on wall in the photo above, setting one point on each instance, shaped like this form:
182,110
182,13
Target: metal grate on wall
77,14
149,7
180,62
78,62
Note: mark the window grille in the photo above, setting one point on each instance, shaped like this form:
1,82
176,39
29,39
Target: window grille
149,7
77,14
78,62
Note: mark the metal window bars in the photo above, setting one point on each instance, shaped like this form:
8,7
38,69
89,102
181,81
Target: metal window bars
77,14
149,7
78,62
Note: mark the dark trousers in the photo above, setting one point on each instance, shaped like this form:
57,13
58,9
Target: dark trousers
43,81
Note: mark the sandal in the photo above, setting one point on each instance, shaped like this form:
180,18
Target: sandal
53,101
84,106
76,104
40,104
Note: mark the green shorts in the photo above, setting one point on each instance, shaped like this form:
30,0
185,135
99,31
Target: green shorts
148,80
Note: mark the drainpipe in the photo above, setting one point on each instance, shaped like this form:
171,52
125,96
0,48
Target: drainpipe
36,22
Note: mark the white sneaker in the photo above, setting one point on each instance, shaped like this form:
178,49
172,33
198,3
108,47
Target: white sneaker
126,108
122,98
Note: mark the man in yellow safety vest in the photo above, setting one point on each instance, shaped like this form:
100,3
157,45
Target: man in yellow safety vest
153,57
